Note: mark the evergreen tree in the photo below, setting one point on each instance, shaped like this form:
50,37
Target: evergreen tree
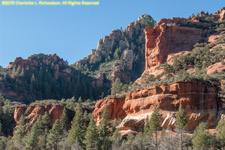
116,140
19,132
32,83
55,135
104,130
46,121
202,139
117,53
91,137
0,128
181,124
80,100
32,142
221,133
154,124
116,87
71,103
147,130
63,120
77,131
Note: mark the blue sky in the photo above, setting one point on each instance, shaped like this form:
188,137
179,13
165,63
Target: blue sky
72,32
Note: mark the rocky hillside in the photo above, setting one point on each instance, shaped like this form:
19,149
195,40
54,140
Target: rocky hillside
184,64
43,77
120,54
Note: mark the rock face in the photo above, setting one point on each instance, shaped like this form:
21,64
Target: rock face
199,101
118,55
220,14
217,67
31,113
177,34
166,39
115,108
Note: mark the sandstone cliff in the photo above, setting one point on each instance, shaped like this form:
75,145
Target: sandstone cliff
199,101
31,113
164,40
177,34
115,106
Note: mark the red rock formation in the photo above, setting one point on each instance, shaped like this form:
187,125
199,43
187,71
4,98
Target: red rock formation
19,111
217,67
166,39
115,108
33,112
220,14
199,101
175,35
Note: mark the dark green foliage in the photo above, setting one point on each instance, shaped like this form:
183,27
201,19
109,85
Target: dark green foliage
7,116
45,121
147,20
117,53
202,139
49,79
104,130
181,120
77,131
20,129
181,124
55,135
168,70
33,140
221,133
3,142
153,126
91,137
138,142
64,120
116,87
71,103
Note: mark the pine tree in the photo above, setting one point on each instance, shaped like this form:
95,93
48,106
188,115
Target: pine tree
147,130
43,129
116,140
80,100
45,122
91,137
202,139
19,132
32,83
154,124
63,120
32,142
221,133
55,135
77,131
104,130
181,124
116,87
0,128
